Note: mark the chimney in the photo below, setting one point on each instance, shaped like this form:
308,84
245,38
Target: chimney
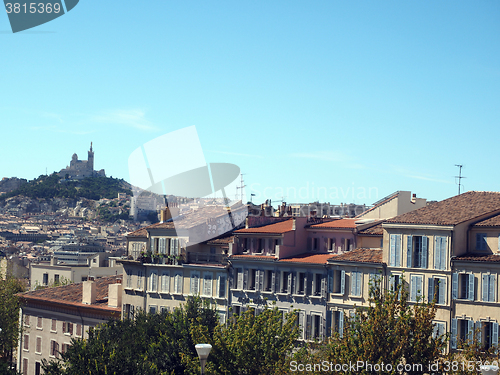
169,212
89,294
53,261
115,294
294,227
414,198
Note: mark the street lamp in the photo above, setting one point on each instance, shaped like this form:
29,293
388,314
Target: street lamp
203,351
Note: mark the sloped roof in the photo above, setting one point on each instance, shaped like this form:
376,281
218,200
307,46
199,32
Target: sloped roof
375,230
362,255
336,224
454,210
311,258
138,233
224,240
276,228
72,294
475,257
491,222
252,257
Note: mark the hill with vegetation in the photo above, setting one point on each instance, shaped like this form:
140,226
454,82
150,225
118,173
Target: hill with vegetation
53,186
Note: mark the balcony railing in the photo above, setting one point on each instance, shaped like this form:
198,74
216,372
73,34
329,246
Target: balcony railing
207,258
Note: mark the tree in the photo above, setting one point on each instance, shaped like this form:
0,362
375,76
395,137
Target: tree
149,344
390,331
9,319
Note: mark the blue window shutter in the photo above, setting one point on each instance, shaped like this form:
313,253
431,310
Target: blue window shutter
491,291
398,250
470,330
442,291
494,334
453,339
424,254
444,250
478,329
392,261
420,286
437,253
454,291
353,283
430,295
409,252
328,323
341,323
485,287
342,282
413,289
330,281
471,287
358,283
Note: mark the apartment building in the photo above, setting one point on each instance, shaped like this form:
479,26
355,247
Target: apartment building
52,317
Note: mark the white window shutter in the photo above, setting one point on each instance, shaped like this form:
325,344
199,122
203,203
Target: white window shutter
409,251
323,287
398,250
353,283
454,281
470,330
392,260
261,280
478,328
494,334
273,282
491,289
471,287
289,283
413,288
245,279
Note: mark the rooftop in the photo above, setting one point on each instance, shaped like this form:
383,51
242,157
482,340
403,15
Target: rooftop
72,294
336,224
454,210
360,255
375,230
311,258
475,257
491,222
276,228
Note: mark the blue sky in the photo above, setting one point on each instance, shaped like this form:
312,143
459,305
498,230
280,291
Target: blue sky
319,100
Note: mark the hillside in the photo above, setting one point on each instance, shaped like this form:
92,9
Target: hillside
54,186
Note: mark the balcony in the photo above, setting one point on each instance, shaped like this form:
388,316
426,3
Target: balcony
207,258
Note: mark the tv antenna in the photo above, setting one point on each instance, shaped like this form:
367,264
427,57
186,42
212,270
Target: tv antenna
459,176
242,186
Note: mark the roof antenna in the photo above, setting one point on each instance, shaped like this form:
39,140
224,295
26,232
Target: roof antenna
459,176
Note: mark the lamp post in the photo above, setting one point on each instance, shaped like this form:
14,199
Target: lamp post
203,351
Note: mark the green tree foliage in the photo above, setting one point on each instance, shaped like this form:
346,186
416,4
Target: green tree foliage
390,331
9,318
149,344
54,187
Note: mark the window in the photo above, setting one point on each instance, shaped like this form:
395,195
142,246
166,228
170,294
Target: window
26,344
54,348
253,276
488,333
488,288
68,328
301,283
315,245
437,290
207,284
260,246
440,253
25,366
53,327
319,285
56,279
336,281
416,287
269,281
461,330
165,282
162,246
439,329
221,285
79,330
395,250
394,281
45,279
39,322
330,244
153,281
38,348
338,322
287,282
153,309
27,320
314,326
195,283
129,279
65,348
139,279
463,286
481,243
417,251
38,368
238,278
178,283
356,282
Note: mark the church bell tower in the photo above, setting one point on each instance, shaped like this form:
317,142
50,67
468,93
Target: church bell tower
90,160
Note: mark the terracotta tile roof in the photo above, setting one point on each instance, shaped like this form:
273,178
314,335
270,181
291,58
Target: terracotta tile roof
336,224
376,230
138,233
71,294
454,210
225,240
276,228
491,222
311,258
475,257
252,257
360,255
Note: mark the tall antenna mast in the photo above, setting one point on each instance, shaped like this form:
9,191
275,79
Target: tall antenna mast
240,187
459,176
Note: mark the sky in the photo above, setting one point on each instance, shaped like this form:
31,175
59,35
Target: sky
331,101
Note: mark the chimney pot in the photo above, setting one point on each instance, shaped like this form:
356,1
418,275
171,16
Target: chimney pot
89,294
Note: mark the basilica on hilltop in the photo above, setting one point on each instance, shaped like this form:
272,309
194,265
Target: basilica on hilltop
80,169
